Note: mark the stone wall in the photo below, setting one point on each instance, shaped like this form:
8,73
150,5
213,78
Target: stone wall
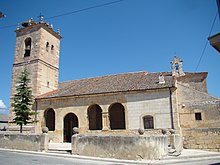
205,139
155,103
120,147
199,132
30,142
136,104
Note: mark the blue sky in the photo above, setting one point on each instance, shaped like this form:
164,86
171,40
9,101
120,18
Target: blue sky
129,36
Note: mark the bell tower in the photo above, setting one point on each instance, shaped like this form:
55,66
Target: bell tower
37,49
177,67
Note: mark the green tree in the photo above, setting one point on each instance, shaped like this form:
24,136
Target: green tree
23,100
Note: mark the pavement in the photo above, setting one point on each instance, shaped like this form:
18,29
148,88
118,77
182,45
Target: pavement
190,155
186,155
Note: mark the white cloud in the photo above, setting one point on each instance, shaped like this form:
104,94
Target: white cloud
2,105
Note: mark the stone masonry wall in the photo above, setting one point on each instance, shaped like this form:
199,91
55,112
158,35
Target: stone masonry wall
203,132
30,142
121,147
204,139
136,105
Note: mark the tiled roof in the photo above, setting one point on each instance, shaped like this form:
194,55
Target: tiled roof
112,83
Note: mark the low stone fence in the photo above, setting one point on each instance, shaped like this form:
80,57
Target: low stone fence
31,142
204,139
120,147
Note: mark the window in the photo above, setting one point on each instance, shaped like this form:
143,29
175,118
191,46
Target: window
198,116
52,49
117,116
95,117
148,122
50,119
27,47
47,46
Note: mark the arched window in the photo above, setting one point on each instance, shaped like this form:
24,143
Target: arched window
27,47
95,117
47,46
50,119
148,122
117,116
52,49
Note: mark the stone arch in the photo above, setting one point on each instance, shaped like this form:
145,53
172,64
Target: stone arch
117,116
69,121
49,116
27,44
95,117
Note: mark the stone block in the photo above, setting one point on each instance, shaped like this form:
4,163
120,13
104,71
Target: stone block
121,147
31,142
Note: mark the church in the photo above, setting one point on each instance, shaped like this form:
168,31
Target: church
119,104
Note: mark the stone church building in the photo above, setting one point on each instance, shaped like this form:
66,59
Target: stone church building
117,104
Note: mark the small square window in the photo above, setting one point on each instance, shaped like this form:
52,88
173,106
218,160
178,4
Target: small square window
198,116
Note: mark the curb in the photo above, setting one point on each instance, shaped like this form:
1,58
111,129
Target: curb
191,159
194,154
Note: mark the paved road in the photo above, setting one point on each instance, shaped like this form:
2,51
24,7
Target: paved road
192,161
10,157
15,158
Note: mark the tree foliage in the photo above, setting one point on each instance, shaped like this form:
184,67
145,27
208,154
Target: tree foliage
23,100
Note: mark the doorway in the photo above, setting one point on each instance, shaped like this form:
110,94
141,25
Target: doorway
70,121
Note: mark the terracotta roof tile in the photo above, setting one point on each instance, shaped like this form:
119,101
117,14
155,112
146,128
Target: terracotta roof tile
135,81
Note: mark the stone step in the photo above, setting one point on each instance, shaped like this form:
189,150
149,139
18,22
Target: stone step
59,151
60,146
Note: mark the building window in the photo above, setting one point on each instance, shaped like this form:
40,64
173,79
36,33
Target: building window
148,122
95,117
117,116
198,116
50,119
47,46
52,49
27,47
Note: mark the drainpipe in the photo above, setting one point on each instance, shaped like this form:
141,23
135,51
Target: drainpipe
171,109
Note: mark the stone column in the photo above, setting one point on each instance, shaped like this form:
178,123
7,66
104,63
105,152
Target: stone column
44,142
105,121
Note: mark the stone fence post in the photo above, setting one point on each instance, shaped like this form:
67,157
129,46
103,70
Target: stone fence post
44,145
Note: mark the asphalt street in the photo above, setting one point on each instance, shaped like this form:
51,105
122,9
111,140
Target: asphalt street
188,157
16,158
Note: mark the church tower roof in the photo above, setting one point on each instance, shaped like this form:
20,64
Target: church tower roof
31,24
